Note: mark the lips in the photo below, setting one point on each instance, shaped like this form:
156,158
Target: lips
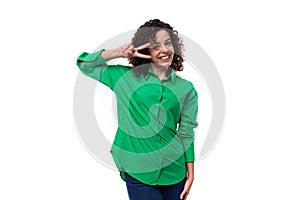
165,57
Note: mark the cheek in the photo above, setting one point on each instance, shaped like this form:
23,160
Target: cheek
171,49
153,54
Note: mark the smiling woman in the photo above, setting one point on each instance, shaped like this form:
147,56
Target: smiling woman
158,34
157,112
162,50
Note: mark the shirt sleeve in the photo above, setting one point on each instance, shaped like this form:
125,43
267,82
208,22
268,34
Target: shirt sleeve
96,67
187,123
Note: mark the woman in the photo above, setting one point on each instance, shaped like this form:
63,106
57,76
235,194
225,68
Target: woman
157,112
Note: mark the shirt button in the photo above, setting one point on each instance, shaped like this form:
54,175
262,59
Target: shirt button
158,137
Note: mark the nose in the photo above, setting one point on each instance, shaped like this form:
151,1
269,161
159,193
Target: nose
164,48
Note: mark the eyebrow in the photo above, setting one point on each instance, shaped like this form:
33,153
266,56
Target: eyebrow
155,42
167,39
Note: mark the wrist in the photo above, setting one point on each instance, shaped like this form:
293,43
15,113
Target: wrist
190,177
110,54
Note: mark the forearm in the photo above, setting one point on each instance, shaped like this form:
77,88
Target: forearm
189,180
190,170
111,54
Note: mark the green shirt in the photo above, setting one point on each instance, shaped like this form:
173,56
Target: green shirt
156,118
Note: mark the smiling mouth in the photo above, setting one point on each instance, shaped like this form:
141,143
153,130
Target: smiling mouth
164,58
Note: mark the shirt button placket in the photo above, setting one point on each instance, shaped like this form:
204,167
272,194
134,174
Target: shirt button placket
158,137
161,91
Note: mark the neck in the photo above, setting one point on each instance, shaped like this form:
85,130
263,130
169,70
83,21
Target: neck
160,71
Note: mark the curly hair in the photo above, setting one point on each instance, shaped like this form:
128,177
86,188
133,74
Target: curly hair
146,33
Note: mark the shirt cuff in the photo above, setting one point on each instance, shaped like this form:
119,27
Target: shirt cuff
96,56
190,153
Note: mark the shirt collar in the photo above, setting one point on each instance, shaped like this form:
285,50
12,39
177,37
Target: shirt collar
170,77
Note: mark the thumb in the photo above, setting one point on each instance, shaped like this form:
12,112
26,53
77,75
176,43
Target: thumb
182,195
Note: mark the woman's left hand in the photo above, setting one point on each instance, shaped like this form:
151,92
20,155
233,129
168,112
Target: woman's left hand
186,189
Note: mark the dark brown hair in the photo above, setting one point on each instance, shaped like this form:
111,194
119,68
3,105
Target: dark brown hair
146,33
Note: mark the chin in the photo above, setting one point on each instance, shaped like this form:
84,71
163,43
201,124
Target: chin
164,65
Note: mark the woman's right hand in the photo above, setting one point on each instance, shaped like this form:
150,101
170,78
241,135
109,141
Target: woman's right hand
125,51
129,51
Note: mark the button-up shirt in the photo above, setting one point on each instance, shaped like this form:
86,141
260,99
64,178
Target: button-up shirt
156,120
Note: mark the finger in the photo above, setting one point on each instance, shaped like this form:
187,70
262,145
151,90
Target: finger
126,47
182,195
127,54
137,54
143,46
130,49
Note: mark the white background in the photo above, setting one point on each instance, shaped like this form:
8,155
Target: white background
254,45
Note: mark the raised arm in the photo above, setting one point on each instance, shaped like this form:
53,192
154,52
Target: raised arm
95,64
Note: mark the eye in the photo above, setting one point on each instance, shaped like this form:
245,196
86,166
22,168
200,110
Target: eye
155,46
168,43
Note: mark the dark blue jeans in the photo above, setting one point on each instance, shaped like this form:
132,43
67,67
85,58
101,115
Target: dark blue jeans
140,191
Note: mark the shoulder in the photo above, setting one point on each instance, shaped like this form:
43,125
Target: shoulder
185,85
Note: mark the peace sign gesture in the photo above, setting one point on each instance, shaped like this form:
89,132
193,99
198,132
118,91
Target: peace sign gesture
129,51
125,51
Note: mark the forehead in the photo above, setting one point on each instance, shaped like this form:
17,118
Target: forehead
161,36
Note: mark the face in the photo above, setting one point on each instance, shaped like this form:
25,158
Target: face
162,50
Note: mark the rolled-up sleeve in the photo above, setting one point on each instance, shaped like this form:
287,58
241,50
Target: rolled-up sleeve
92,64
96,67
187,123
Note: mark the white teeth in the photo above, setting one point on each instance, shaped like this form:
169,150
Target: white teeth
164,58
